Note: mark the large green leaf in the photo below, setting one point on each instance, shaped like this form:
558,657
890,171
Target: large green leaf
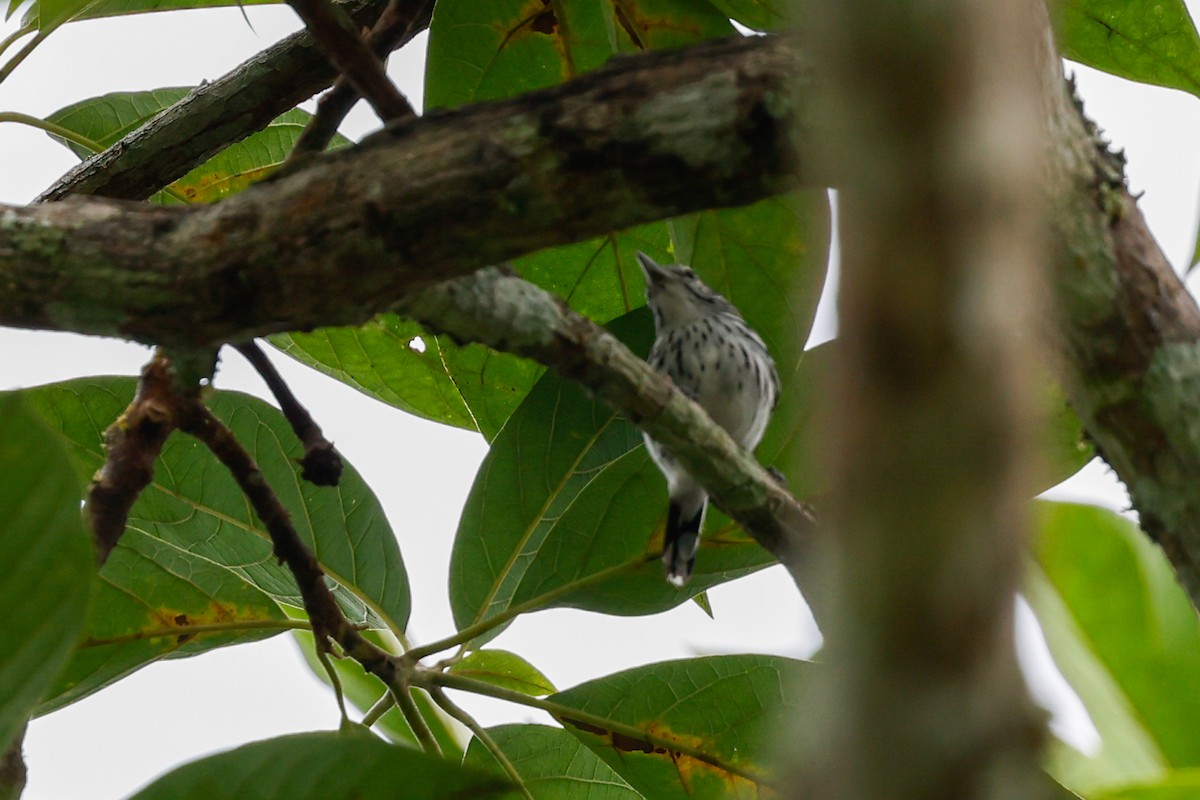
553,764
325,766
196,506
484,51
394,360
1121,630
724,708
567,510
107,119
45,557
155,600
1152,41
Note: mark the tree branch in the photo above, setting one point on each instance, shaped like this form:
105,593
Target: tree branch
507,313
215,115
398,23
1128,336
344,46
347,234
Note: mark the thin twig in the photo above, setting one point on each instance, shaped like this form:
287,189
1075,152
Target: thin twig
485,738
412,714
397,24
321,464
382,706
339,38
336,682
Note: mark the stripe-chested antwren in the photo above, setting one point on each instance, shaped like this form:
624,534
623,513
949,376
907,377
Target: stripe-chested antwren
705,347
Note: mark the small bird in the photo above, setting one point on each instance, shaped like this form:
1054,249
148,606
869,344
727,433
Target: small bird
705,347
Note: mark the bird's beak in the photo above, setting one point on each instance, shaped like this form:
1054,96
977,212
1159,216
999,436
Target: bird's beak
650,268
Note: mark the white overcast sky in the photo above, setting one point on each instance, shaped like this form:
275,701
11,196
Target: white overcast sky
110,744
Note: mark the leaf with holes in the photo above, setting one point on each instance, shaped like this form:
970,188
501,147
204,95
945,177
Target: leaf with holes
1152,41
759,15
690,729
47,560
195,505
395,361
552,763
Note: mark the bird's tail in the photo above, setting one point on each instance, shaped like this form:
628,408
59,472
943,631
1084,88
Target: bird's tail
680,543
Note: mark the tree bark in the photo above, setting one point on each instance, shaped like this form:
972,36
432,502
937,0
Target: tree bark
934,133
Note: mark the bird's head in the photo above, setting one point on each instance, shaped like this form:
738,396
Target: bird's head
676,295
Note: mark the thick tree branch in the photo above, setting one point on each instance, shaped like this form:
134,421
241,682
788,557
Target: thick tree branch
507,313
345,235
217,114
1128,336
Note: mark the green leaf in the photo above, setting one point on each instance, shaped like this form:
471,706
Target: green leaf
553,764
324,766
155,600
567,510
47,561
727,708
1120,629
760,15
107,119
504,669
395,361
40,13
1180,784
667,24
195,505
1152,41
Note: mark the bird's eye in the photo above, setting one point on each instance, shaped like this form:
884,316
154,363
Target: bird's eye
687,273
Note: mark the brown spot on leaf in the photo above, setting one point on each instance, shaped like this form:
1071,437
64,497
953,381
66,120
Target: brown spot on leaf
584,726
632,744
689,767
